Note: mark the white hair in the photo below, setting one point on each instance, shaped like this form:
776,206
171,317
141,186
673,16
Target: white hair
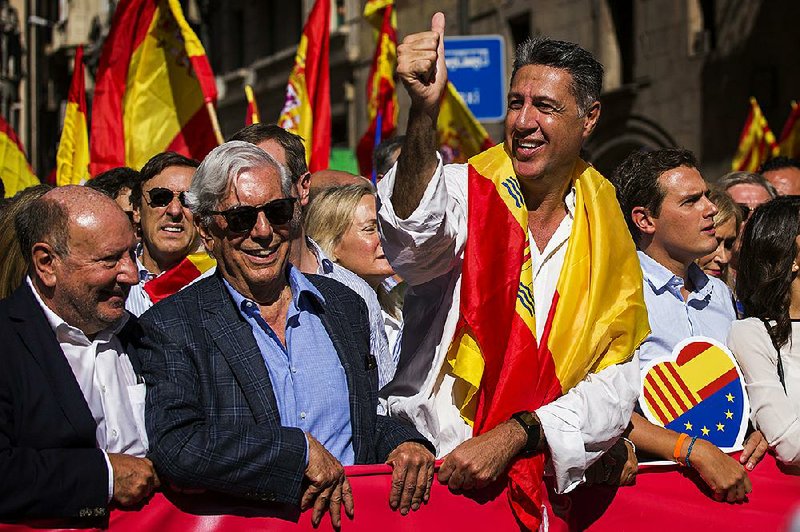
220,168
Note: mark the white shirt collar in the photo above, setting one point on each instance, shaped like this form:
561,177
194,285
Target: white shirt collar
66,332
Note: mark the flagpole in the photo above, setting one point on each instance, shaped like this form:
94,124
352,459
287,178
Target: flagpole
212,114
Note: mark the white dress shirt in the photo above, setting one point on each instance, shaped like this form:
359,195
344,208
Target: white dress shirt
773,410
426,249
113,392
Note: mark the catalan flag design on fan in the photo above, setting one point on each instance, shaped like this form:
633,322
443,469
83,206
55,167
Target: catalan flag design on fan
699,392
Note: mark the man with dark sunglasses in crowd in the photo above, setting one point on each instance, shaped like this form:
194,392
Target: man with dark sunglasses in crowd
260,383
167,227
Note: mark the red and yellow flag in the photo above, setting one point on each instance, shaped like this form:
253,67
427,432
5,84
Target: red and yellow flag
597,318
172,280
790,136
382,106
72,157
153,83
460,135
756,143
252,116
307,108
15,170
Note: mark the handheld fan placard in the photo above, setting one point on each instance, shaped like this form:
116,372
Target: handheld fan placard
699,390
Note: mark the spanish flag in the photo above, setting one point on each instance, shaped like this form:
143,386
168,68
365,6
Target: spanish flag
597,318
72,157
252,116
460,135
154,84
790,136
172,280
756,143
307,108
15,170
382,107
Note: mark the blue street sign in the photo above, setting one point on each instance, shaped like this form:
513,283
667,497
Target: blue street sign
477,67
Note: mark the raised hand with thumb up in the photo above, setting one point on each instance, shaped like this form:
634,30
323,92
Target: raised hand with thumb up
421,67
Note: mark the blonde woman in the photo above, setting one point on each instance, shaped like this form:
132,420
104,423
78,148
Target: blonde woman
343,221
727,222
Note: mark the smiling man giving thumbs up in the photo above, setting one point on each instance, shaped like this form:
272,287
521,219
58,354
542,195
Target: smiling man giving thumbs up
525,303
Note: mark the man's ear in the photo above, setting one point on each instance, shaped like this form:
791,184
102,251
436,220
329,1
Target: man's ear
643,220
43,258
303,187
590,119
205,236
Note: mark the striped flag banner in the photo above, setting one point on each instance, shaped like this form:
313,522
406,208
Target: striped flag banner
72,157
155,91
756,143
15,170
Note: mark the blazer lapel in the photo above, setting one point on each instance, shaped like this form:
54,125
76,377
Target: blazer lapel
33,329
234,338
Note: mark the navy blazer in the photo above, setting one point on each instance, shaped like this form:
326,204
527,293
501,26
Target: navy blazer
211,414
50,465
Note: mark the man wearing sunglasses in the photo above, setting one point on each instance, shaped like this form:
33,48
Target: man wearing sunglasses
287,148
261,383
167,227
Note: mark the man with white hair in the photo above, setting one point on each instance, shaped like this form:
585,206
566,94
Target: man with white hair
262,382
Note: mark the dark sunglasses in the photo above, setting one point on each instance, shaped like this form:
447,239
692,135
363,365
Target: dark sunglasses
161,197
243,219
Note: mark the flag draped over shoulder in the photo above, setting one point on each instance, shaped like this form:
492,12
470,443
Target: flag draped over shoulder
172,280
153,83
307,108
15,170
72,157
790,136
252,116
460,135
756,143
597,318
382,106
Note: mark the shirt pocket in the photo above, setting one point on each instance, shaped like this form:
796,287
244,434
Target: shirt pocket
136,395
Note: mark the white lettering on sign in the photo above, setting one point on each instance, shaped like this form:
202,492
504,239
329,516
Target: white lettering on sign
474,58
472,97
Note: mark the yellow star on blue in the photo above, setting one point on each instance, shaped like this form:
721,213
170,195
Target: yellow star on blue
720,427
729,397
688,425
705,430
728,415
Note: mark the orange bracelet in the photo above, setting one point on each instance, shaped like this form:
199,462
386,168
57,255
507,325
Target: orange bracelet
676,454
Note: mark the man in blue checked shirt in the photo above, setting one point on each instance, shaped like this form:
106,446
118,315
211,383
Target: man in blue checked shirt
261,383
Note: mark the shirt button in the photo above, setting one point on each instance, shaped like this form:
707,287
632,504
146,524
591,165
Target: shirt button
294,370
103,388
302,415
113,433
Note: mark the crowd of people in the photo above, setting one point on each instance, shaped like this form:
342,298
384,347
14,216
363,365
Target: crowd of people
496,315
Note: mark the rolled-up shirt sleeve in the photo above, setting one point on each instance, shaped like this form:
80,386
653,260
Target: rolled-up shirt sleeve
430,241
585,422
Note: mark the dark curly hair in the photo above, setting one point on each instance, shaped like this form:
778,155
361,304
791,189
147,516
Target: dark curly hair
764,277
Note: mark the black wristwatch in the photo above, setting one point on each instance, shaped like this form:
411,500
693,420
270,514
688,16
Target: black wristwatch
531,426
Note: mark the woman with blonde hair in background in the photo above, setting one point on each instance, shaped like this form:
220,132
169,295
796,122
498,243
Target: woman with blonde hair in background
727,222
13,267
343,221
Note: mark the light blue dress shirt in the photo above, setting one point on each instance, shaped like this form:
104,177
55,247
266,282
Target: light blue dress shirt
708,311
308,380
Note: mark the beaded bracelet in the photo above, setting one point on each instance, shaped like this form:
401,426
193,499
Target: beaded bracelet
689,451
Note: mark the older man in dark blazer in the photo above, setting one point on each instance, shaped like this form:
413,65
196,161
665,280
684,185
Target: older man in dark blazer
71,423
261,383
